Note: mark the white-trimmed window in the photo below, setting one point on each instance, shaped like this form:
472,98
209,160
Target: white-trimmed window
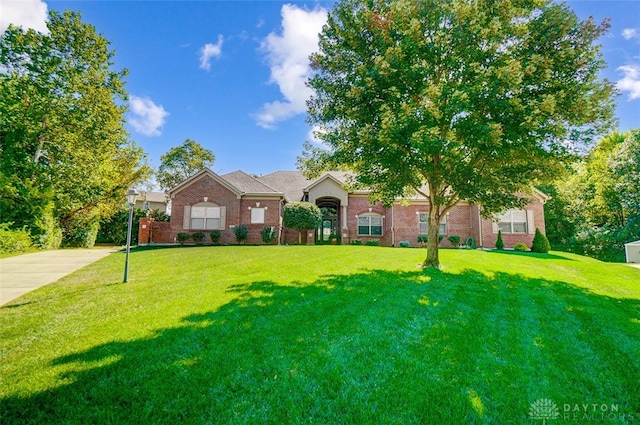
513,221
204,216
423,224
370,224
257,215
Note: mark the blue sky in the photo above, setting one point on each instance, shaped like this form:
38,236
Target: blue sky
230,74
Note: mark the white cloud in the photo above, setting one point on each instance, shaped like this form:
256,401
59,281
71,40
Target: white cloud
631,80
148,117
629,33
209,51
312,136
24,13
288,57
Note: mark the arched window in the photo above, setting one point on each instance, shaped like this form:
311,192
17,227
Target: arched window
370,224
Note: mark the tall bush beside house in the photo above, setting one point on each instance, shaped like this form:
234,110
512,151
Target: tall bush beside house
215,236
241,233
268,234
301,216
540,243
499,241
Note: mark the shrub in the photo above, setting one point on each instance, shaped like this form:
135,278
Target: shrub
500,242
114,229
423,239
13,240
373,242
198,237
404,244
520,246
215,236
454,239
268,234
356,242
241,233
82,230
47,233
540,243
182,238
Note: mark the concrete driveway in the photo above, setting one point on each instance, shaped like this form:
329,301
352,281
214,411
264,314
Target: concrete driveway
24,273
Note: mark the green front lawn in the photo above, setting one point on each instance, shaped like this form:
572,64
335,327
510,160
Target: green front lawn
325,334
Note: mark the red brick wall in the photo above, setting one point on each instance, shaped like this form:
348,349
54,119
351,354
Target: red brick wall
510,239
406,223
463,220
271,218
194,194
359,205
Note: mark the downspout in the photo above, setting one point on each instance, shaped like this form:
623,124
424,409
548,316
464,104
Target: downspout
393,226
480,244
280,222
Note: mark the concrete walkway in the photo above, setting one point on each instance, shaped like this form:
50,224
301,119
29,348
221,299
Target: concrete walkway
24,273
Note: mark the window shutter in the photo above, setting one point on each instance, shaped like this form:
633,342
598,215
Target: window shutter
223,216
494,227
531,226
187,217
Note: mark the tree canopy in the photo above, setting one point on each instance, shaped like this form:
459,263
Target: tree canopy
182,162
454,100
595,208
301,216
66,159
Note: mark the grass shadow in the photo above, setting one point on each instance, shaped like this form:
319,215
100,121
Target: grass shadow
537,255
373,347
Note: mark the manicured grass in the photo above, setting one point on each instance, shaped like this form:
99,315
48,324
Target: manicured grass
324,334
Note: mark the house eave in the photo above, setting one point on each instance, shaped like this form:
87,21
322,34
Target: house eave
175,190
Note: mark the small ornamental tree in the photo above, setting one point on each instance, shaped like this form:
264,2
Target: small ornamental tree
540,243
301,216
499,242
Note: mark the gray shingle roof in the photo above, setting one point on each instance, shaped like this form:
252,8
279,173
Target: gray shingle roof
246,183
291,183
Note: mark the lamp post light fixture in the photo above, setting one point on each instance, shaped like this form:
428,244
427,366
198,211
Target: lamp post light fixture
131,200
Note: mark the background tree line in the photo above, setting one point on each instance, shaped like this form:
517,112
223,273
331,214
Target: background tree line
66,159
595,207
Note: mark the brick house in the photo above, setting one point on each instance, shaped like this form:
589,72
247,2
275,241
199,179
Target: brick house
207,201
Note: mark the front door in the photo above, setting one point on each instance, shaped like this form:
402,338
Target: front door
329,227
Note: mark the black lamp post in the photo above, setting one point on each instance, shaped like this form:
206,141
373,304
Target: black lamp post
131,200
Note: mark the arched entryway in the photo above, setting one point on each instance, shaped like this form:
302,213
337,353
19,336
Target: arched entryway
330,225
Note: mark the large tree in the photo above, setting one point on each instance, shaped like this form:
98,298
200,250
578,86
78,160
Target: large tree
454,100
65,157
183,161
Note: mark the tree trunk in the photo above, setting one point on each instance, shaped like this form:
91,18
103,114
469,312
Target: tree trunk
433,241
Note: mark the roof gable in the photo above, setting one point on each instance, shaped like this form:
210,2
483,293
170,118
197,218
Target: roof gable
204,172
